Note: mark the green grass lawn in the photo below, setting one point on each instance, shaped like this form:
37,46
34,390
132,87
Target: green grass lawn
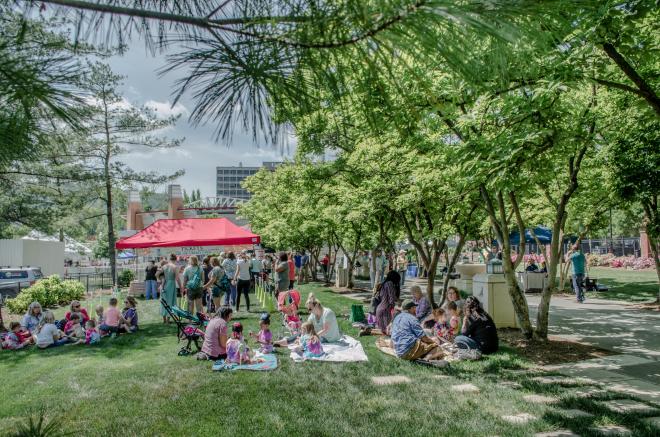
628,285
137,385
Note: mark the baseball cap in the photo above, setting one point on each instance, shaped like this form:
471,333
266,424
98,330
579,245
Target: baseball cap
407,304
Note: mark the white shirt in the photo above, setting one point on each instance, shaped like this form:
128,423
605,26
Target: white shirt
46,335
243,267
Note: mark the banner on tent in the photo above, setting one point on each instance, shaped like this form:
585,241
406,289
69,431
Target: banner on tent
193,250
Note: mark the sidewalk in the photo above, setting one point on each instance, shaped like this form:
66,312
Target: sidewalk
614,326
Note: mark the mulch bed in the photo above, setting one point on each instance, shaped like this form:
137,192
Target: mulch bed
556,350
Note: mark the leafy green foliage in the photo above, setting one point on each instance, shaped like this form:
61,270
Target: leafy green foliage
125,277
48,292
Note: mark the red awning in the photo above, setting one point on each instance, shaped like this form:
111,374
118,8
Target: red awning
189,232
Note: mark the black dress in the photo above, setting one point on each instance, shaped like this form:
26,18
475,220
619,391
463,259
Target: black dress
483,331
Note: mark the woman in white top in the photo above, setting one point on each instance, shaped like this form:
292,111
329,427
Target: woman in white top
324,320
242,280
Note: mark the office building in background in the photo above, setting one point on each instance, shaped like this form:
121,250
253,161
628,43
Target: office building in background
228,179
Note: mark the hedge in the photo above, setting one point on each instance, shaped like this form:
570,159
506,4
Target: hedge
48,292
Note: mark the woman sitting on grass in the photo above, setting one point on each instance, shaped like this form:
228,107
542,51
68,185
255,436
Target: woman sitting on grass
215,337
32,317
47,334
77,308
324,320
479,331
129,316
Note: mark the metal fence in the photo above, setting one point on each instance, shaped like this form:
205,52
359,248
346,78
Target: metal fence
618,246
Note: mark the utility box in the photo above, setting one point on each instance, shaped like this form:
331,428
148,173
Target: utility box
342,277
493,292
48,255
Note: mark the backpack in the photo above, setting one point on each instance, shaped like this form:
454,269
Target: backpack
195,282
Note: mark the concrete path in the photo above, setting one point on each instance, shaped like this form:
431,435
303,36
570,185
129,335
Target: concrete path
614,326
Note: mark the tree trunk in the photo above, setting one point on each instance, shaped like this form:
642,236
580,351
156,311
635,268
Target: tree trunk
450,266
108,198
654,251
550,286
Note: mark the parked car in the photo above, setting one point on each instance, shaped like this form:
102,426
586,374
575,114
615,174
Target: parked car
13,280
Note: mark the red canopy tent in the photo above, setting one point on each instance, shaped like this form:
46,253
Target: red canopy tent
189,232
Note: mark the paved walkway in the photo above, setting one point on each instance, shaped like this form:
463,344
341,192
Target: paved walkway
614,326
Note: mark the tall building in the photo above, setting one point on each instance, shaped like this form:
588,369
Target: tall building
228,179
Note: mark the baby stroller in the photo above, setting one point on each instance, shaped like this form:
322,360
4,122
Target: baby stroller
188,326
287,304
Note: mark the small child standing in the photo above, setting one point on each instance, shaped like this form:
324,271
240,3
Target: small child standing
310,343
264,337
91,334
237,351
14,340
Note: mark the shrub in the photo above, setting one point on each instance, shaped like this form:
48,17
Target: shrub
48,292
125,277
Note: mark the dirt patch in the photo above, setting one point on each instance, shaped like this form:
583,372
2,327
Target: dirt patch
649,306
556,350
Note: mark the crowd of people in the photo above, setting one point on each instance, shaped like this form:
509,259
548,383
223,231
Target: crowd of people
216,285
417,330
40,328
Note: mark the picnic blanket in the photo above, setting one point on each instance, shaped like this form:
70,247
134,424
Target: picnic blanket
269,363
346,350
381,346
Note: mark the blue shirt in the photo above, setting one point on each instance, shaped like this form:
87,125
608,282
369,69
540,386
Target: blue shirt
406,330
297,259
578,261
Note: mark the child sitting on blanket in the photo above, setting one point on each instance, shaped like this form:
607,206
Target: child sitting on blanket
310,343
14,339
238,351
264,337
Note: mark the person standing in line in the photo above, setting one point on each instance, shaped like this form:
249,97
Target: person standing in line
206,266
402,266
242,280
304,266
297,261
193,283
579,262
150,284
282,274
170,280
229,264
292,271
256,267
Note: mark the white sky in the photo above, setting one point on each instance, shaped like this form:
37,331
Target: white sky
200,153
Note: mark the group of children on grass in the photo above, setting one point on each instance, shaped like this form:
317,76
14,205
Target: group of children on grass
41,329
239,352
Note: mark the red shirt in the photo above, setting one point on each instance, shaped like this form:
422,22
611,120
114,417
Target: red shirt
292,270
83,314
325,260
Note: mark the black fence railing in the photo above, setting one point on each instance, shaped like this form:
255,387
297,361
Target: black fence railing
92,281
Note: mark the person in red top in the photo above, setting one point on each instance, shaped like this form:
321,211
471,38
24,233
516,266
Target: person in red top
77,308
292,271
324,265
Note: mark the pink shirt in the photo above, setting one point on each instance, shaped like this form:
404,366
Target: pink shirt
112,316
212,347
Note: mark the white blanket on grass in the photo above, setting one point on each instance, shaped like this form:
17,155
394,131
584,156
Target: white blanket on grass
346,350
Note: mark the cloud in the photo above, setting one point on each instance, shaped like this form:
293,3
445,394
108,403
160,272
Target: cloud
165,109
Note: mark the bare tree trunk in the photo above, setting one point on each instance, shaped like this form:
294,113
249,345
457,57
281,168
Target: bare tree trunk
108,197
654,251
450,266
501,227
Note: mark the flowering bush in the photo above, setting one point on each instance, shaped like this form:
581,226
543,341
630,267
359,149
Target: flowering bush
538,259
609,260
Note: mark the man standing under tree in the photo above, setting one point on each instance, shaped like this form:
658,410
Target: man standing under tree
577,258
